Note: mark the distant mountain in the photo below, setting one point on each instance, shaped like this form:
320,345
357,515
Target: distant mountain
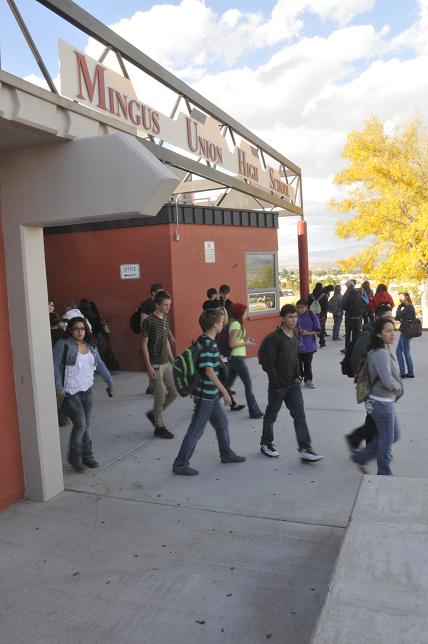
327,257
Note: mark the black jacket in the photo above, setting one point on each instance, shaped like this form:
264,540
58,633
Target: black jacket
282,363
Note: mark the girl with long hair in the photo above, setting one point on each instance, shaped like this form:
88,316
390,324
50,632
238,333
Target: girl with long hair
75,360
385,389
238,351
405,313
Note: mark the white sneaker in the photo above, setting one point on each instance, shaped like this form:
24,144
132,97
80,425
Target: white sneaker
309,384
269,450
309,456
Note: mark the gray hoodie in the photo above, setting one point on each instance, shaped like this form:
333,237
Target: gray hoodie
384,374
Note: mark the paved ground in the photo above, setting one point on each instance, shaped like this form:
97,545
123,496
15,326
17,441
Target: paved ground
241,553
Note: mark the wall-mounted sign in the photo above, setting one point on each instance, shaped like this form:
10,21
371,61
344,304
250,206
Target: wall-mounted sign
129,271
209,249
87,81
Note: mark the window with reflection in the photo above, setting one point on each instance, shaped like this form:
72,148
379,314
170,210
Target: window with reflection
262,283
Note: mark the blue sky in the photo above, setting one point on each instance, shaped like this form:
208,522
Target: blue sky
300,73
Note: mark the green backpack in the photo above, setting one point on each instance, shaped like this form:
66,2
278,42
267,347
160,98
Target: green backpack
185,369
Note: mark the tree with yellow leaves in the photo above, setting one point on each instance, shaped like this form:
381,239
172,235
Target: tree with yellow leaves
387,180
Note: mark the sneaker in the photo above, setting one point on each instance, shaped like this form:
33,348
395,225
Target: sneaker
363,469
260,414
409,375
90,462
232,458
76,465
151,417
163,432
309,384
184,470
237,407
269,449
309,456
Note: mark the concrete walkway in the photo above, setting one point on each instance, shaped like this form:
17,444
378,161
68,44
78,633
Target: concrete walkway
241,553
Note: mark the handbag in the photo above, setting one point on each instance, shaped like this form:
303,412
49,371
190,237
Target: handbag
411,328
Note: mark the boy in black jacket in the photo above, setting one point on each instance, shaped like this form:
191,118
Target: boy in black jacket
279,358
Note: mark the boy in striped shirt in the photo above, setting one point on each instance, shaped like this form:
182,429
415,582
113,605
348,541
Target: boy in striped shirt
207,399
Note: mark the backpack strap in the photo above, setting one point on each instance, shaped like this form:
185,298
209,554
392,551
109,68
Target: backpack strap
64,358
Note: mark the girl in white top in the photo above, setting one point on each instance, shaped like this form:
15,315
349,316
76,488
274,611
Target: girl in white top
75,360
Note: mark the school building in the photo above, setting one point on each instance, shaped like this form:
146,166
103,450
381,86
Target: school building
98,200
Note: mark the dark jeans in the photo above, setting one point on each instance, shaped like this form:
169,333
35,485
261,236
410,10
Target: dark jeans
403,354
238,367
305,363
291,395
78,408
366,432
337,321
205,411
322,319
388,432
223,376
352,331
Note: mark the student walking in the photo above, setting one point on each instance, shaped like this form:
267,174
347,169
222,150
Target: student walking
335,308
386,388
353,307
207,399
308,327
318,304
158,359
238,366
279,358
75,359
405,313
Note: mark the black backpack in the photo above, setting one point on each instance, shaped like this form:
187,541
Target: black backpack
185,369
135,321
262,354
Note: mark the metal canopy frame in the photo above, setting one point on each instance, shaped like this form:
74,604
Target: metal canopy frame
213,179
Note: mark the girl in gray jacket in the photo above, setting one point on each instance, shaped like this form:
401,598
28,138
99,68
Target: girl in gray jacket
385,389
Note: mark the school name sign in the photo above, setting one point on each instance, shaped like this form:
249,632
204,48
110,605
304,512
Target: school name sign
89,82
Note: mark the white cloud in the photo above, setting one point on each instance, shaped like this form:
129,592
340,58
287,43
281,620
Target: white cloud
416,37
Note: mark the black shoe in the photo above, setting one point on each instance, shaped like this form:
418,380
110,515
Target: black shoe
350,443
327,335
232,458
163,432
151,417
184,470
149,390
237,407
409,375
90,462
76,465
343,351
322,346
259,415
403,375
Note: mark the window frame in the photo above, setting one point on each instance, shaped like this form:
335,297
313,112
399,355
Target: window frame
263,291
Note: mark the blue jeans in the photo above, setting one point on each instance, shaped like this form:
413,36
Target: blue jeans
403,353
337,321
238,367
78,408
205,411
291,395
388,432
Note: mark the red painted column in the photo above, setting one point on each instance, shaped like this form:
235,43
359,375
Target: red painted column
302,244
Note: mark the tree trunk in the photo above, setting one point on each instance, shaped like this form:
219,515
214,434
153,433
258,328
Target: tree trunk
424,302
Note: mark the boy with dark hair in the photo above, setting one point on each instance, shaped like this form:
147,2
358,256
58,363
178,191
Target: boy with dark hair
280,361
224,292
213,301
158,358
207,399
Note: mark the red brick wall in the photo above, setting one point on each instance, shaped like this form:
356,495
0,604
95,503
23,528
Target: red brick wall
192,276
11,473
86,264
